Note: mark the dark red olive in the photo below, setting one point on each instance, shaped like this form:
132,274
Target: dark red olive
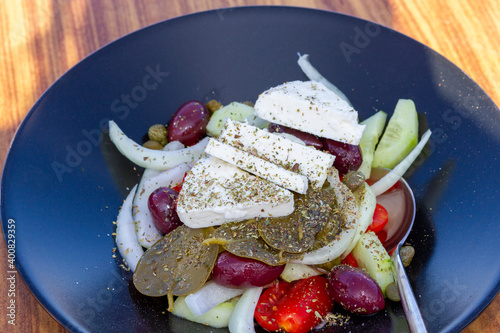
233,271
355,290
347,157
161,205
309,139
189,123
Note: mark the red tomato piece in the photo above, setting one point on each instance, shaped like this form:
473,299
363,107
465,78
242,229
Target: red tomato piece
178,187
304,305
380,219
382,235
267,304
350,260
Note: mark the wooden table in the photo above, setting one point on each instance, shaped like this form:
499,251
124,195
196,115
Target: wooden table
42,39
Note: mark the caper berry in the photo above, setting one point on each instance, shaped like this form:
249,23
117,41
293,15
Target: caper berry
392,292
150,144
249,103
407,252
353,180
158,133
213,106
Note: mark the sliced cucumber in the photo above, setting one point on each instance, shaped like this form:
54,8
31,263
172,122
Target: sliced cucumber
371,255
235,111
256,121
217,317
371,134
400,136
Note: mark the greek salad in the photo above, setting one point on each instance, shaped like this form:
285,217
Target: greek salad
265,213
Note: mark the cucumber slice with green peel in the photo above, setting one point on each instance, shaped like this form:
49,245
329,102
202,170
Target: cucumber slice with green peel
371,255
371,135
235,111
400,136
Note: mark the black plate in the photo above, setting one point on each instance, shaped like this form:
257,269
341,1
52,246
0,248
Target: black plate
63,181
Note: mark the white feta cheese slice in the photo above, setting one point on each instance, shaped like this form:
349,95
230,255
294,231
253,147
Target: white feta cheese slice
215,192
310,107
290,155
257,166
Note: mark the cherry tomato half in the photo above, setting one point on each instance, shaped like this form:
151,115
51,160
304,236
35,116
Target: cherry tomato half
380,219
266,306
178,187
349,260
304,305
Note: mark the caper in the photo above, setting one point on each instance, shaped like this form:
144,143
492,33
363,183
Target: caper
158,133
392,292
353,180
150,144
213,106
407,252
249,103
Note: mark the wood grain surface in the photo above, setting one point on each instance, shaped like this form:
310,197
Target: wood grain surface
42,39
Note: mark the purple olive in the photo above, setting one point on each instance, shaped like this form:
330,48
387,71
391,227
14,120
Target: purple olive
189,123
161,205
233,271
347,157
355,290
309,139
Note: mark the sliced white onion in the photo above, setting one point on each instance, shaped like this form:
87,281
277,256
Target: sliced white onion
399,170
217,317
126,238
367,202
242,318
209,296
147,233
312,73
142,218
295,272
350,208
173,145
151,173
150,158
